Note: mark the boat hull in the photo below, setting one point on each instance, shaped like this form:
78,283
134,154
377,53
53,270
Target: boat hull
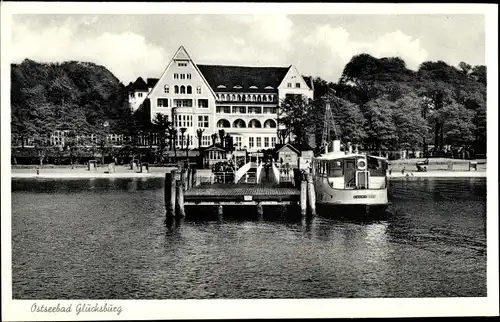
350,200
331,209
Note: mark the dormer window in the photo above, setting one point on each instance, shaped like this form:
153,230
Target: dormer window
237,87
221,86
253,87
269,87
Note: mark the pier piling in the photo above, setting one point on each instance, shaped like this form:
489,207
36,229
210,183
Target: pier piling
180,198
260,211
183,178
311,194
169,192
220,212
193,178
189,179
303,197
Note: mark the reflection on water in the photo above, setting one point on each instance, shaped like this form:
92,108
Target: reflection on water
105,239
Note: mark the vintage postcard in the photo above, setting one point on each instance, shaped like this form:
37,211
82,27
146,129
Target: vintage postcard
245,160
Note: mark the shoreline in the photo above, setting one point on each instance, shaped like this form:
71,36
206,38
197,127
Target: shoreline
161,174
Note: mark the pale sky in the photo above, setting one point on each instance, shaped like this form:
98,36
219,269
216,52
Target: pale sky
319,45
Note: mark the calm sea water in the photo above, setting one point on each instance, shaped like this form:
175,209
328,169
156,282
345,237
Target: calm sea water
108,239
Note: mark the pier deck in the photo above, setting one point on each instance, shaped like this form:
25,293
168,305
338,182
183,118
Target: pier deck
241,194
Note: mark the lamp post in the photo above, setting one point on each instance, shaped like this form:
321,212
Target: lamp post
105,125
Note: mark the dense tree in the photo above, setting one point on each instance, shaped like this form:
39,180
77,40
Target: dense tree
295,112
222,134
161,127
369,78
379,123
411,128
75,96
214,138
199,136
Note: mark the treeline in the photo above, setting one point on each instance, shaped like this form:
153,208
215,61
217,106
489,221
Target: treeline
381,104
84,98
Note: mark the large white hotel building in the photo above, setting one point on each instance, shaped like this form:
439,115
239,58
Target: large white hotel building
242,100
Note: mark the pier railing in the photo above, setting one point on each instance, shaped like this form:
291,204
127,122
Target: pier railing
276,173
242,171
259,171
222,177
285,174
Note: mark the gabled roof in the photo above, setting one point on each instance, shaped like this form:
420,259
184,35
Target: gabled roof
289,145
231,76
152,82
294,146
309,81
214,148
181,54
139,84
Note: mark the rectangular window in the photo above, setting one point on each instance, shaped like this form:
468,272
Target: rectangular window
188,76
198,90
289,85
183,120
183,76
250,142
223,109
206,140
266,142
254,110
203,103
237,141
162,102
269,110
176,76
297,85
183,103
202,120
259,142
239,109
182,64
273,142
140,94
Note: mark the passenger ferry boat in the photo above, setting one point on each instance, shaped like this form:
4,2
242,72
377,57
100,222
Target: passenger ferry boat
352,180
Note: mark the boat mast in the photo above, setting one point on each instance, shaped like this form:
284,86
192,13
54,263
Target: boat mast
328,126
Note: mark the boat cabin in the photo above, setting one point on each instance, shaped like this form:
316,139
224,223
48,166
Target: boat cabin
355,171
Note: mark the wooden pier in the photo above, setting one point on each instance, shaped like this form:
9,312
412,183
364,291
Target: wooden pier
182,190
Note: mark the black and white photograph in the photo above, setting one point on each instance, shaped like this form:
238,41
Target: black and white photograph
250,160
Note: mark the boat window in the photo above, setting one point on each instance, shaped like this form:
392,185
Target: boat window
335,168
377,167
